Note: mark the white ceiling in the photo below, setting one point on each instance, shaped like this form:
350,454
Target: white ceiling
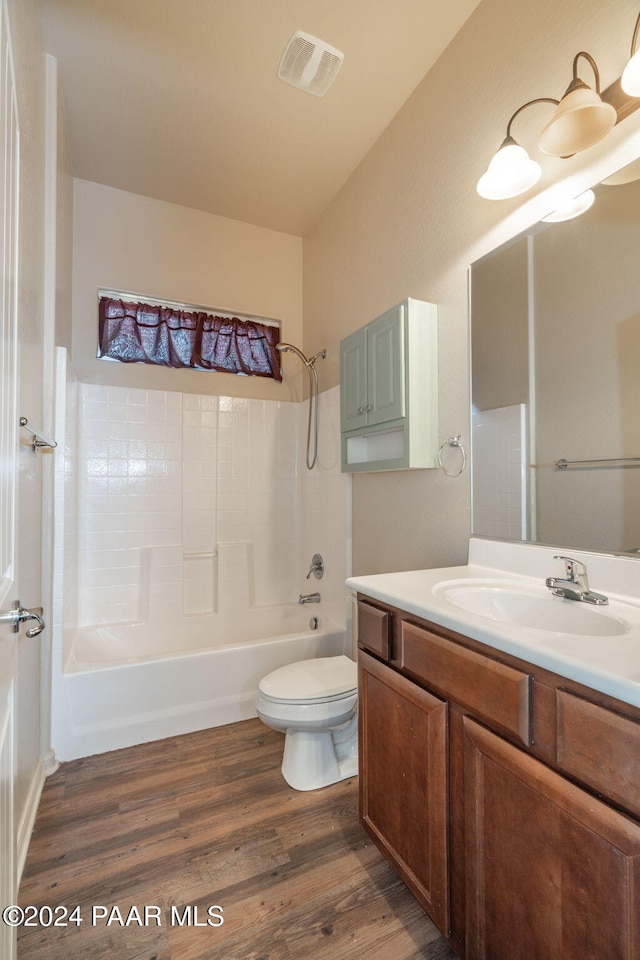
179,99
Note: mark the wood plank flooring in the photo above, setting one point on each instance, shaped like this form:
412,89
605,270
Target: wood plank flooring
206,820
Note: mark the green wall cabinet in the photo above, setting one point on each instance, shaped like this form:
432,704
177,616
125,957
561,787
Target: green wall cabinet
389,391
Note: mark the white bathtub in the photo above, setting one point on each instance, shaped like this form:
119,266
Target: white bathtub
123,685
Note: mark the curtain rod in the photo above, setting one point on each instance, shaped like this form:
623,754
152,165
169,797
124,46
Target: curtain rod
158,302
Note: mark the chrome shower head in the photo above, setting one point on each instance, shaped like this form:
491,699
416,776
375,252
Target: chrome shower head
318,356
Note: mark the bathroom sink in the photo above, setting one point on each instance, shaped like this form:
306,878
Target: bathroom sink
530,605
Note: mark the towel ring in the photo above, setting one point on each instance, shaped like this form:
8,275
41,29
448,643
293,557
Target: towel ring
452,442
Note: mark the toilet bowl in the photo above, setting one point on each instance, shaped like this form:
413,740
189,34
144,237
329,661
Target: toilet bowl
313,702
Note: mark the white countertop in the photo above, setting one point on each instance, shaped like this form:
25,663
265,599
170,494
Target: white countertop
610,664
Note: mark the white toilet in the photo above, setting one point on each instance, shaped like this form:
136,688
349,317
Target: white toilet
314,703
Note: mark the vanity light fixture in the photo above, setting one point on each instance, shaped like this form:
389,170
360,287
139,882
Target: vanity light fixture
574,207
630,79
580,119
511,170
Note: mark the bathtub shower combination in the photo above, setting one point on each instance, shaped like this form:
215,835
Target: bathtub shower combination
120,687
180,524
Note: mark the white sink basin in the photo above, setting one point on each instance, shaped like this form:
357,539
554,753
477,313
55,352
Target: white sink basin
529,605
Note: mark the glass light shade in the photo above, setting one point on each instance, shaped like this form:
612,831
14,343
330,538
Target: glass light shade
573,208
630,79
579,121
510,172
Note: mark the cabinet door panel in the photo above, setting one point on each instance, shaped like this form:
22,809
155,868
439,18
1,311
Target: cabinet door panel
403,781
551,871
353,381
386,366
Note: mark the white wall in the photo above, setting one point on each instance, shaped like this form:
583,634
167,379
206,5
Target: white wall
325,509
183,505
187,504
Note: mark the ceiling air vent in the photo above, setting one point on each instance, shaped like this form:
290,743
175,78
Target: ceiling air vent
309,64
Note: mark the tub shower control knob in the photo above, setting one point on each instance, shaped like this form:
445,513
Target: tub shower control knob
317,567
18,615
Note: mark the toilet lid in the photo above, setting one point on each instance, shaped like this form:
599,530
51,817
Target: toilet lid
320,679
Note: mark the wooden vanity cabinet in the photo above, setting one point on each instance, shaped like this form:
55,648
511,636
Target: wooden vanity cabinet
550,870
403,781
538,854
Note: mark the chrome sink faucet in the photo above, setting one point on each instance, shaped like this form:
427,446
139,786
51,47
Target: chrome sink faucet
576,585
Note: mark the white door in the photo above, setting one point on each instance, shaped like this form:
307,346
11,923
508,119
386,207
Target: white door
9,176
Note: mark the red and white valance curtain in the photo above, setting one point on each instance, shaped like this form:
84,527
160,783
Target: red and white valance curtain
135,332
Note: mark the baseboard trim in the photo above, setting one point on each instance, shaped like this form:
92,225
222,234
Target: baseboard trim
28,818
50,763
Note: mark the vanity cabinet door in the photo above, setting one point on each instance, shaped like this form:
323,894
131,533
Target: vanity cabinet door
403,781
551,872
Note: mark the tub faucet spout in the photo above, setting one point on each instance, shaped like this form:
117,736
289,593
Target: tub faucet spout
309,598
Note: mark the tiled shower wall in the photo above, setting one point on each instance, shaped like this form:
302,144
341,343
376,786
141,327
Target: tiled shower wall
500,472
325,509
65,565
183,505
187,504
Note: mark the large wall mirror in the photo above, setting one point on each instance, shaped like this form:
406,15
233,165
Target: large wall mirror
555,339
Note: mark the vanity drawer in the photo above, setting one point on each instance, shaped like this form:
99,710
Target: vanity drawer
374,629
493,692
599,747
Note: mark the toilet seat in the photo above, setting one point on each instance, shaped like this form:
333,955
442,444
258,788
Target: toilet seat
314,703
323,680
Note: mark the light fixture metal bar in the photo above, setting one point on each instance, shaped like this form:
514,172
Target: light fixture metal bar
634,40
594,67
622,102
529,103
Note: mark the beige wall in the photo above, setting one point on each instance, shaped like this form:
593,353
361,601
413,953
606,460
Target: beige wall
408,223
135,244
500,330
587,323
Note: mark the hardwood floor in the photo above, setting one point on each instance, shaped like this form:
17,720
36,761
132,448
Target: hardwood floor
206,820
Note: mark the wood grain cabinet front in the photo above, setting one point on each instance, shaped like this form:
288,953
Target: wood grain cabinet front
551,872
506,796
599,747
374,629
403,781
492,690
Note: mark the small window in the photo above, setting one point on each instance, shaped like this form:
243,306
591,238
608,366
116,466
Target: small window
176,335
